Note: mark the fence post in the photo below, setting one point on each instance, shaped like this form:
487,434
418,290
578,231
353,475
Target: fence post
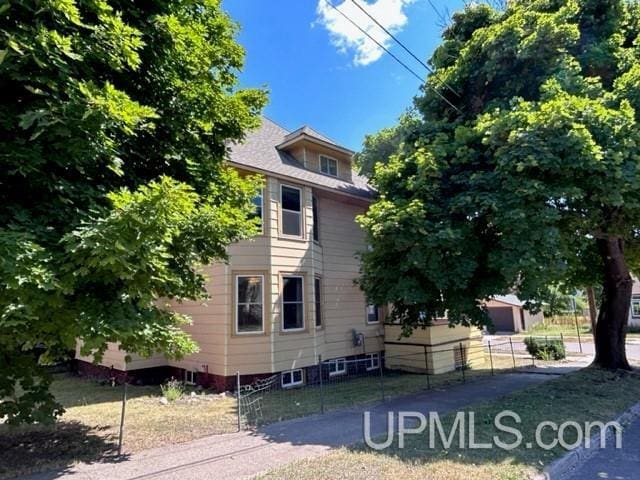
490,357
238,401
321,384
562,338
381,378
124,404
426,367
463,363
513,355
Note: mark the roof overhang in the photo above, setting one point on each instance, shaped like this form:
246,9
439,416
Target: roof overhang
303,137
269,173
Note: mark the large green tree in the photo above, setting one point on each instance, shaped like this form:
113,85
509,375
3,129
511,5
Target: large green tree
114,125
533,179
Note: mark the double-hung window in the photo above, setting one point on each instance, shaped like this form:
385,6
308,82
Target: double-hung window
291,208
292,302
249,304
329,166
337,366
373,314
317,293
257,212
316,221
635,306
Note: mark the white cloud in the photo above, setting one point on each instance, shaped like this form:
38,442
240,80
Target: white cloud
346,37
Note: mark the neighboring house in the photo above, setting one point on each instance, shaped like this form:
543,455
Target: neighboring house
287,296
509,314
634,311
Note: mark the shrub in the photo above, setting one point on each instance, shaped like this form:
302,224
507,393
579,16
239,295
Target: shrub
545,349
172,390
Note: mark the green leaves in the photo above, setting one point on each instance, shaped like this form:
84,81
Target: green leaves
113,191
509,195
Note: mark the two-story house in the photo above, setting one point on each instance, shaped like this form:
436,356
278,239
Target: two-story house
287,296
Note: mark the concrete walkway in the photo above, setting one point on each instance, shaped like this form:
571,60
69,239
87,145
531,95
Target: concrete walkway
612,463
500,343
243,455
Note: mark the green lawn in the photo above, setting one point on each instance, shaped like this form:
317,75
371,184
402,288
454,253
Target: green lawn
566,329
342,392
587,395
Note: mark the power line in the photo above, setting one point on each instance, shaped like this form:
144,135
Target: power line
406,49
392,55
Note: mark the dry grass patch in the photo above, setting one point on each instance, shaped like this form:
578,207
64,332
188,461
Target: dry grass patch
88,431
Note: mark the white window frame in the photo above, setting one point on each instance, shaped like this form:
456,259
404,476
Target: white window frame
292,383
300,213
366,310
635,300
335,363
326,157
189,377
304,320
373,361
237,303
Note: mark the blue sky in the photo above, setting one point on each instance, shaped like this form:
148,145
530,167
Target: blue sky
318,72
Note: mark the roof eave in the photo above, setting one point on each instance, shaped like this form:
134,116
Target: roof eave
368,199
303,136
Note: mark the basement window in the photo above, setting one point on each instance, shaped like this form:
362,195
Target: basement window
189,377
373,361
337,366
291,378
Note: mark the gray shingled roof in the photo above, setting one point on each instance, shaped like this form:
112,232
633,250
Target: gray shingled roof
307,130
509,299
259,152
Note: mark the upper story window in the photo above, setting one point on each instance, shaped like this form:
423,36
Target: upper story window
249,304
329,166
292,302
291,208
373,314
257,212
316,221
318,301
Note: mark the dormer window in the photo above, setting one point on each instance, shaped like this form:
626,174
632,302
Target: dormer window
329,166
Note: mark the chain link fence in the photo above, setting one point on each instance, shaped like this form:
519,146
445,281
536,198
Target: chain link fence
343,382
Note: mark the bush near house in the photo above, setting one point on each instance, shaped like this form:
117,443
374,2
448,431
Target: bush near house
545,349
172,390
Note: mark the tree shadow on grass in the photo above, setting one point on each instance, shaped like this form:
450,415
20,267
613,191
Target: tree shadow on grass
54,448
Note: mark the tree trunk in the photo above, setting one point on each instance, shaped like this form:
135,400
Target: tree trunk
593,311
614,308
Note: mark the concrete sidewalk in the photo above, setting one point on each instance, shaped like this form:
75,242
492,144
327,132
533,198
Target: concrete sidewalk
243,455
612,463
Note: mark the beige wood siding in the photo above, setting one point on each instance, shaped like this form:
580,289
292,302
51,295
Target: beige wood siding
333,259
441,356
